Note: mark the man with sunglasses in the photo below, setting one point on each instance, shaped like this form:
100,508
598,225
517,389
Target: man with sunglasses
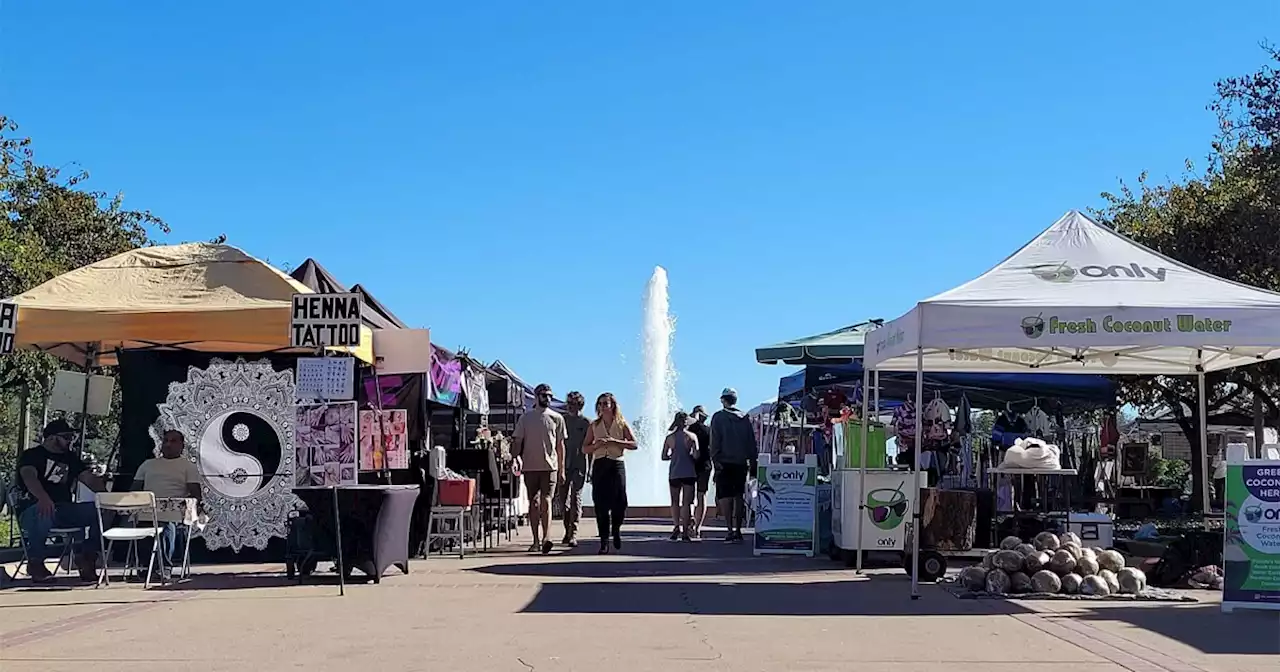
47,476
539,439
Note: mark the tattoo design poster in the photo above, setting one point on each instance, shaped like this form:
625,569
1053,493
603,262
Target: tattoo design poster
326,444
384,444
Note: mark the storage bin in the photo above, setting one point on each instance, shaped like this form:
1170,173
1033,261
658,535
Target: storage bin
457,493
1094,529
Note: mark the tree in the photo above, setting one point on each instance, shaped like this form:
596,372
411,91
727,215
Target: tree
50,224
1224,220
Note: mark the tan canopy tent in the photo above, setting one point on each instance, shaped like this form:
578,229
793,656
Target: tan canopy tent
195,296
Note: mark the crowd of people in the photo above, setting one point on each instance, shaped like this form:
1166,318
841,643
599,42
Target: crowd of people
556,452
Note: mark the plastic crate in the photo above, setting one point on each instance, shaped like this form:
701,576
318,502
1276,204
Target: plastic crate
457,493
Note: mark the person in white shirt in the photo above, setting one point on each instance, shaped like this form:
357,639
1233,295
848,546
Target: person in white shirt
173,476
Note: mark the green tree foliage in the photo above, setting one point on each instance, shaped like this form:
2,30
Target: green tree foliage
51,223
1223,219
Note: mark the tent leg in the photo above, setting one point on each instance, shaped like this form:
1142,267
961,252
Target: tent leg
915,476
862,470
1205,479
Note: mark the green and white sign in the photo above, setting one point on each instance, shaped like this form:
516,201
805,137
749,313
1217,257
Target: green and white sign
786,506
1251,543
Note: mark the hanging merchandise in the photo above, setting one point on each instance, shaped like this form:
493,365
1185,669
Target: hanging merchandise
904,425
937,421
962,431
1038,424
1108,437
1008,428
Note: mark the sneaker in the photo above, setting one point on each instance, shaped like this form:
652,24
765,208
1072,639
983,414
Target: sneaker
617,542
730,538
696,536
546,547
675,534
685,537
570,542
535,547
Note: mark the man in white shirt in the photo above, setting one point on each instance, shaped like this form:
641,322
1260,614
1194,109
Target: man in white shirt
170,476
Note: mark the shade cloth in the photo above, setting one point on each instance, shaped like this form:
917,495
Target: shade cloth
195,296
834,347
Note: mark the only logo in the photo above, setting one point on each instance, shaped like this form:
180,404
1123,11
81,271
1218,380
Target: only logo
1064,272
1033,327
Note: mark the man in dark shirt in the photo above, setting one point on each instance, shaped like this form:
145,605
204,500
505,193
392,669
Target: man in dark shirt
47,476
569,493
703,465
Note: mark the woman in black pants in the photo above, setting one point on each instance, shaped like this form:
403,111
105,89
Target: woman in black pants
608,440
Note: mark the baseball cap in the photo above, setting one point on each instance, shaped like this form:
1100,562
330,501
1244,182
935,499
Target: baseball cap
57,427
698,409
729,392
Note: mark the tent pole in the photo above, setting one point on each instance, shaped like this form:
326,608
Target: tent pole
1204,438
862,468
90,358
915,476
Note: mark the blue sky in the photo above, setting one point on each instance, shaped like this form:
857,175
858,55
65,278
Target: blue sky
508,173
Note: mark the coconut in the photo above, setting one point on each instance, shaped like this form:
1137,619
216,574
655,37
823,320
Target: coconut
1009,561
997,582
1035,562
1062,563
1111,560
1113,583
1070,538
1094,585
1131,580
1088,553
973,578
1009,543
1025,549
1045,581
1047,541
988,561
1086,566
1019,582
1073,549
1071,583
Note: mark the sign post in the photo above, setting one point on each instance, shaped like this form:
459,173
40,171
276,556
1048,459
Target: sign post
325,321
786,501
1251,536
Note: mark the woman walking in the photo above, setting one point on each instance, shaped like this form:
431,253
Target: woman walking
681,449
608,440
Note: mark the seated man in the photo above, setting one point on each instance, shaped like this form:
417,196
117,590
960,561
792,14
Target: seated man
170,476
47,474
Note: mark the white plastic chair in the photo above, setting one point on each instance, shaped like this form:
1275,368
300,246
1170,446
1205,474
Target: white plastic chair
130,504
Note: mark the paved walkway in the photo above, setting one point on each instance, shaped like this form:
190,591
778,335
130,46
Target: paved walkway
657,606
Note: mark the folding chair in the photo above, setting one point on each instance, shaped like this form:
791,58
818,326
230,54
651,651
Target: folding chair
63,537
129,504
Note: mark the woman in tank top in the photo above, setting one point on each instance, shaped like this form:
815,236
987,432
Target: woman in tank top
608,440
681,449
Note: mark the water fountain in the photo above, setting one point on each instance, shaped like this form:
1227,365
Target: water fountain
646,472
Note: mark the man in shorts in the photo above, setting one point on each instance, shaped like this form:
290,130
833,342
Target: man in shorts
703,465
733,452
576,467
539,444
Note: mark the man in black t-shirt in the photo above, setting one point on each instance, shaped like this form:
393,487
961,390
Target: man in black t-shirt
703,466
47,477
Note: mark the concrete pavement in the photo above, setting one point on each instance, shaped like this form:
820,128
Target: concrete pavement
656,606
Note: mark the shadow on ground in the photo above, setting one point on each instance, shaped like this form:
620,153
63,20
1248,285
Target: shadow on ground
880,597
1201,626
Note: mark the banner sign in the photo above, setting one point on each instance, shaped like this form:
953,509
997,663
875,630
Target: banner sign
8,326
786,507
1251,543
325,320
446,377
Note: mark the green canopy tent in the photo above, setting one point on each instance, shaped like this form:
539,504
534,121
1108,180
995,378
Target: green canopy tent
841,346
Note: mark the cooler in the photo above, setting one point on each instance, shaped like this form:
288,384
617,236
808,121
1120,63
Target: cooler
1094,529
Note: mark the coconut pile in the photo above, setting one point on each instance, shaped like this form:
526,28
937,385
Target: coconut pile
1053,565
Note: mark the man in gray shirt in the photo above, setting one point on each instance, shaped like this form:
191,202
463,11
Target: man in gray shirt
576,467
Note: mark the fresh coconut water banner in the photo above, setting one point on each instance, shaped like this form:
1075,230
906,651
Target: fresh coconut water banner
786,502
1251,544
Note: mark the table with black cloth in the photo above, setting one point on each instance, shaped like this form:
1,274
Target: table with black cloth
374,525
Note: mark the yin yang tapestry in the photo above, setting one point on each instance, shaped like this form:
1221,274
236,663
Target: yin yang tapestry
237,416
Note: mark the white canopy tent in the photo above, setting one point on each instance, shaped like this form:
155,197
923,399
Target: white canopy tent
1081,298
